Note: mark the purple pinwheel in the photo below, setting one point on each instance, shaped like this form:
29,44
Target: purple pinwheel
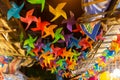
70,21
67,38
39,43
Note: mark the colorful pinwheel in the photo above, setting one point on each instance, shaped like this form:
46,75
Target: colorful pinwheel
42,2
14,11
70,21
58,35
49,31
29,18
58,11
30,41
40,25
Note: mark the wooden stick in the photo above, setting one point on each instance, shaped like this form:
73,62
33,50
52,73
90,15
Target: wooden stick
94,15
7,31
92,2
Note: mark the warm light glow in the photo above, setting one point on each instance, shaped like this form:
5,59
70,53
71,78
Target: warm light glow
116,73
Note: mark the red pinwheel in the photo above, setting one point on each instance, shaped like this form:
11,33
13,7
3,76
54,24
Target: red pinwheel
40,25
57,51
78,29
85,43
29,18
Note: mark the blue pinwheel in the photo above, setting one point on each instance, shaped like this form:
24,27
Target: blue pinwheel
14,11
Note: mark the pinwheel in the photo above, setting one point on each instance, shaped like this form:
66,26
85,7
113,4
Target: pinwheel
49,31
36,50
58,11
100,36
91,29
67,54
47,57
108,53
73,42
47,47
53,70
14,11
53,64
30,41
29,18
85,44
27,47
97,67
67,38
28,50
31,53
84,54
70,21
42,2
78,29
57,51
115,46
91,72
58,35
101,62
40,25
61,63
71,64
66,74
39,44
76,54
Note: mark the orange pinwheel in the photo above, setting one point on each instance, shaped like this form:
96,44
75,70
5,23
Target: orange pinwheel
49,31
66,74
67,54
115,46
101,62
71,64
29,18
40,25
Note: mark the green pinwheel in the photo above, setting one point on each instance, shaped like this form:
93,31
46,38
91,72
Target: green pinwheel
58,35
30,41
76,55
42,2
61,63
